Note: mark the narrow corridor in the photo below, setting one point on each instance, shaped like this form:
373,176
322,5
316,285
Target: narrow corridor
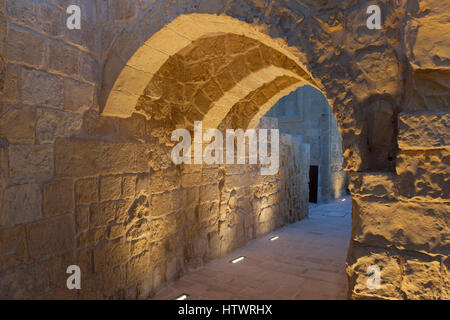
307,261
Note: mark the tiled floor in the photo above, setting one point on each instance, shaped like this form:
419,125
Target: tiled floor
306,262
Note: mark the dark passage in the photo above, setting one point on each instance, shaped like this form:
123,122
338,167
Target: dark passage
313,183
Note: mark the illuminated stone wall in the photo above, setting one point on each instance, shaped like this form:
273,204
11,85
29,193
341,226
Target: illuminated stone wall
85,115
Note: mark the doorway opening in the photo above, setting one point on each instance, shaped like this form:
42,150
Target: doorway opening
313,183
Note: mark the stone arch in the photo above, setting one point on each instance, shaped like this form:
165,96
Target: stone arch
120,94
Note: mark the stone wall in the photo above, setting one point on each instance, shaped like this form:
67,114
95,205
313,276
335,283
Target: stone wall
72,142
306,112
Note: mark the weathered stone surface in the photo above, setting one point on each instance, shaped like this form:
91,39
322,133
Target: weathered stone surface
110,188
102,213
166,202
82,218
30,161
17,283
25,47
52,124
426,47
21,203
10,74
51,236
18,124
137,267
424,175
367,77
13,247
166,180
391,273
89,68
421,279
78,158
91,237
373,184
78,96
129,186
382,223
424,131
40,88
63,59
110,254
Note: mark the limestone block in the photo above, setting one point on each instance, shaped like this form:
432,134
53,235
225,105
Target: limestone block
421,280
87,37
164,180
21,203
18,124
13,248
166,202
158,250
29,161
208,212
89,68
78,96
138,267
116,231
191,179
41,88
129,186
79,158
91,289
361,259
52,124
63,59
382,223
110,254
57,198
102,213
24,47
52,271
110,188
209,193
91,237
113,281
139,229
142,184
164,227
51,236
82,218
9,81
426,47
424,175
419,131
139,246
86,191
85,261
373,184
191,197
